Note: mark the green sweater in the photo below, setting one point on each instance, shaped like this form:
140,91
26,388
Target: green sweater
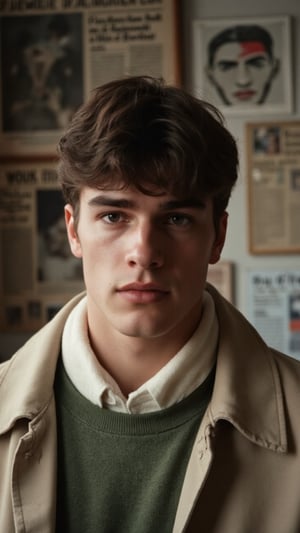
122,473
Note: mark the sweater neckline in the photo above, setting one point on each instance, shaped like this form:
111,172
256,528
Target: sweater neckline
102,420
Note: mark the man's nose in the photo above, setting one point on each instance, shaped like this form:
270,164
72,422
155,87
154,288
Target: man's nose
243,75
145,248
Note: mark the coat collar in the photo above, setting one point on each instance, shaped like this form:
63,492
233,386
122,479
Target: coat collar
247,390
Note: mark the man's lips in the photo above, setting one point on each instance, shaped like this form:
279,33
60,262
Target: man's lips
244,95
138,292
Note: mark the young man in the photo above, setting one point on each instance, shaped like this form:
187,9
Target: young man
148,403
241,65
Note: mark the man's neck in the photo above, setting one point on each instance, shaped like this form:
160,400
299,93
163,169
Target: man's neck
132,361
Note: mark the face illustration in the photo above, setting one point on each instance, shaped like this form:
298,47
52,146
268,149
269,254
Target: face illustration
242,72
145,260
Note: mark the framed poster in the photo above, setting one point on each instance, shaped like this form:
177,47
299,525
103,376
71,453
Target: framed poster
273,177
38,273
52,57
243,65
274,308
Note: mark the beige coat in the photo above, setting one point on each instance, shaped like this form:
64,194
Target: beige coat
244,471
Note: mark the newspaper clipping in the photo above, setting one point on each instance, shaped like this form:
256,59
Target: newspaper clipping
38,273
274,308
53,53
274,187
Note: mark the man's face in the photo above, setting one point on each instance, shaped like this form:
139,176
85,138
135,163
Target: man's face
241,72
145,260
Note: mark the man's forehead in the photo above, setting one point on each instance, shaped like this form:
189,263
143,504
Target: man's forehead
240,49
131,195
251,47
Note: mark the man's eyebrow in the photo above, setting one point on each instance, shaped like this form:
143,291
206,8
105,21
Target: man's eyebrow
182,204
103,200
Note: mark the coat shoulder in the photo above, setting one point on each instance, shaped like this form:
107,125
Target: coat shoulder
289,375
287,366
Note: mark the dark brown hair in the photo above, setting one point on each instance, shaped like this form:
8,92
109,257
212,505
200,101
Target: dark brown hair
140,132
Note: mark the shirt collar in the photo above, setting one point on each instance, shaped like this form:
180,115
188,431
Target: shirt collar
176,380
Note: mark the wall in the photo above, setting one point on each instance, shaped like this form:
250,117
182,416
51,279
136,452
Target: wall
236,248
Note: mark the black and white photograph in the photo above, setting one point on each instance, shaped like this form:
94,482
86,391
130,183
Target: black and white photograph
55,261
42,82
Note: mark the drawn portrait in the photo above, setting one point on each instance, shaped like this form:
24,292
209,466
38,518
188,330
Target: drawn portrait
244,65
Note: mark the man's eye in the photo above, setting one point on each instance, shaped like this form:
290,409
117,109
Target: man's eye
226,65
179,220
113,218
258,62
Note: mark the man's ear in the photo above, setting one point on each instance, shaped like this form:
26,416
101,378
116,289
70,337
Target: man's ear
71,231
220,239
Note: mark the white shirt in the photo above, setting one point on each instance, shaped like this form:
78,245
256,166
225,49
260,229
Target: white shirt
173,382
